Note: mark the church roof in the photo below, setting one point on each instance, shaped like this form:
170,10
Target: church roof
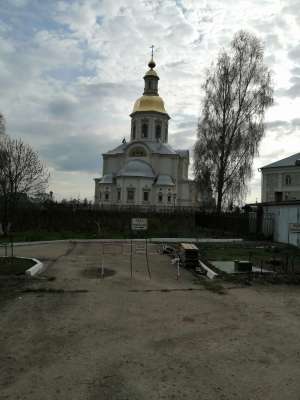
118,150
154,147
106,179
149,103
161,148
137,168
151,72
164,180
183,153
285,162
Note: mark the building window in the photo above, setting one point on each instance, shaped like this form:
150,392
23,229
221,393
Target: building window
288,179
119,195
99,195
106,196
160,197
169,198
130,195
133,131
146,196
144,130
137,152
158,132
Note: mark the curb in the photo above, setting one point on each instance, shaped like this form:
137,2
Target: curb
209,272
36,269
150,240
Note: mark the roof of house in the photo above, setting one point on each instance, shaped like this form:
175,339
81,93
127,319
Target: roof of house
285,162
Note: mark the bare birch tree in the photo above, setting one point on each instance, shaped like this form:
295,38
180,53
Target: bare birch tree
238,90
2,125
21,174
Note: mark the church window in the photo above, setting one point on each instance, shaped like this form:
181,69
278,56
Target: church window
133,131
146,195
158,131
288,180
160,197
144,130
130,195
137,152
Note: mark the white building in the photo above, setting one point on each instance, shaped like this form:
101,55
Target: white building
146,171
281,180
286,221
280,195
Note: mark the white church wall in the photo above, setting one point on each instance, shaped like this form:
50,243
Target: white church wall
166,165
137,184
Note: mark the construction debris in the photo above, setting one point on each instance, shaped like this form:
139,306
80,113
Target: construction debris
189,255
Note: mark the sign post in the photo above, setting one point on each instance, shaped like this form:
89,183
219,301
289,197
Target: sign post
138,225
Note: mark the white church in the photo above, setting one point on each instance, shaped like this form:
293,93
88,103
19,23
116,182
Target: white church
147,171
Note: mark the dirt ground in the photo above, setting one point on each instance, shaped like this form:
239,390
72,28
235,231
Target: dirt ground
121,338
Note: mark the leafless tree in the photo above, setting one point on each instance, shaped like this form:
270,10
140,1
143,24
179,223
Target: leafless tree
238,90
22,174
2,124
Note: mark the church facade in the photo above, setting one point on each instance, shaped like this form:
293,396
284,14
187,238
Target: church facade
146,171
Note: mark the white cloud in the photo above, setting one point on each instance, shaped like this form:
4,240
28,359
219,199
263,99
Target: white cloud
71,71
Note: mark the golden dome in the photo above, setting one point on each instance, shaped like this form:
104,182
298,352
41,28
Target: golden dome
151,72
149,103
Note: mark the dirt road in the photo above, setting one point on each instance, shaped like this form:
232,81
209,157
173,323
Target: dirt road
91,339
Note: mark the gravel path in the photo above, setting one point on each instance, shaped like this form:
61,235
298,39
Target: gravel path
82,338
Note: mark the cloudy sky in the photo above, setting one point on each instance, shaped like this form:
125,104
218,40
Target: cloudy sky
71,70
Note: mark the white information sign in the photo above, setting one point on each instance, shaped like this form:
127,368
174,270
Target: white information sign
139,224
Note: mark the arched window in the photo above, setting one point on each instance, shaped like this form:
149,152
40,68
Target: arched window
158,131
144,130
288,179
138,152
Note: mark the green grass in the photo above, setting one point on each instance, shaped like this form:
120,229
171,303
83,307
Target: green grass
14,265
230,252
32,236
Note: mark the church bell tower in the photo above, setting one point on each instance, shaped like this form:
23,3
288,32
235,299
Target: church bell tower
149,119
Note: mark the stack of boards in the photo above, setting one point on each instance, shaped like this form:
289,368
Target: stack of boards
189,255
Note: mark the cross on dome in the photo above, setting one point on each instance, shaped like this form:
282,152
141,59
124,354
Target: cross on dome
151,63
